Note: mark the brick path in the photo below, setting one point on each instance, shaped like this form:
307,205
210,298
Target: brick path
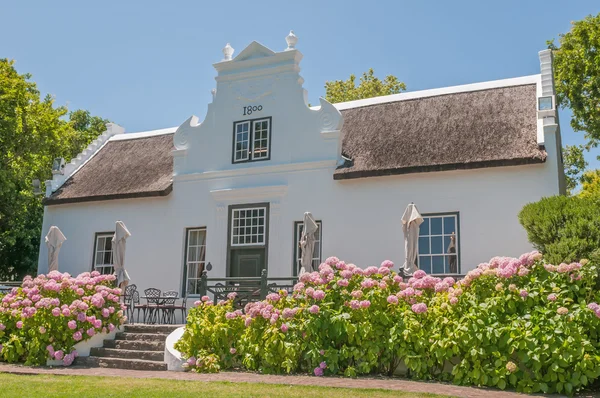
372,382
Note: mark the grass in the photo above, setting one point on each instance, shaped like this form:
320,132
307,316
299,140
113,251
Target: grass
12,385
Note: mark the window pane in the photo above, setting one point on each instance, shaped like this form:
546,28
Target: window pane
99,257
425,263
107,258
193,238
436,245
192,254
449,225
436,225
446,244
423,245
424,227
192,270
437,264
250,229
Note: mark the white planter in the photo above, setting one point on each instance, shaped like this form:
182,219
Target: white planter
83,348
172,356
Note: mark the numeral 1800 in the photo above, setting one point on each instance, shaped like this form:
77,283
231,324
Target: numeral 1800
249,109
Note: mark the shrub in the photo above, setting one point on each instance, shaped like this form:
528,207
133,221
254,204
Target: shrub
510,322
45,317
564,228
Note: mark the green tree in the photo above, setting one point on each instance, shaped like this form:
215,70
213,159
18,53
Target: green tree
577,75
33,131
575,164
369,86
590,184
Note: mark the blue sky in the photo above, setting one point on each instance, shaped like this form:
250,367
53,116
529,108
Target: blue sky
148,65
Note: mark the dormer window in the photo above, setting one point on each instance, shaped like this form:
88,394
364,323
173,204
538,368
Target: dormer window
251,140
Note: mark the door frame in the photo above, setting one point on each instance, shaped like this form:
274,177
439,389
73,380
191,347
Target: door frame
230,209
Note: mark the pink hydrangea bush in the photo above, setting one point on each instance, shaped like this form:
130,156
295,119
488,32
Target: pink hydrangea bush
45,317
509,311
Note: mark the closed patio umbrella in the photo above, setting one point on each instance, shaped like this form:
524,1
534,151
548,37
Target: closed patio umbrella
54,241
410,226
307,243
118,246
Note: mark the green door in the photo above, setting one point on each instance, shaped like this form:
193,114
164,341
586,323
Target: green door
247,262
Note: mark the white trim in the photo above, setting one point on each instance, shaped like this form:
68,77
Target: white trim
253,170
517,81
143,134
232,194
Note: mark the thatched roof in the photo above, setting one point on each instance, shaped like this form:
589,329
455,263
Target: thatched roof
132,168
465,130
461,130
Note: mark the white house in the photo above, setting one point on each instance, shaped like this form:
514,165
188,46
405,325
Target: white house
232,189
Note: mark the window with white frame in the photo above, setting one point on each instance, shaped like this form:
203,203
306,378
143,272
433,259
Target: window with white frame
195,259
439,244
251,140
103,254
248,226
316,258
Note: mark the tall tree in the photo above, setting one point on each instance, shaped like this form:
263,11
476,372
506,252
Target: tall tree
33,131
590,183
575,164
369,86
577,75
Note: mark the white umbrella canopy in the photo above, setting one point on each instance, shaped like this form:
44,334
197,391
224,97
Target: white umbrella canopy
118,246
410,226
307,243
54,241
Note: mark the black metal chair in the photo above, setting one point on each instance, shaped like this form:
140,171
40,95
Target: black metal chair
182,308
137,306
153,303
168,306
128,300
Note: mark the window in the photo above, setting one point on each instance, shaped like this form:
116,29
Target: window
251,140
248,226
316,261
103,254
439,244
195,259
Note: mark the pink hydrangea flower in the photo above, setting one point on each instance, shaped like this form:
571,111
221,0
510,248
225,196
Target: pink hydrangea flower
314,309
365,304
318,371
319,295
392,299
231,296
323,365
56,311
205,298
562,311
419,308
58,355
342,282
354,304
90,332
453,300
523,293
77,336
232,351
284,328
552,297
419,274
387,264
19,324
42,330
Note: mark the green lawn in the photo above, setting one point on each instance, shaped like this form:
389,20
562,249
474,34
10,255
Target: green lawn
84,386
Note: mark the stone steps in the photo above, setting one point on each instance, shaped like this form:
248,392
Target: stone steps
127,354
138,347
141,336
135,345
118,363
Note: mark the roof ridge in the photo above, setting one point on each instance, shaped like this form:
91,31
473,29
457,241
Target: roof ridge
437,92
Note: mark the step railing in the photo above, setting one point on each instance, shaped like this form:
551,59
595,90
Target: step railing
247,289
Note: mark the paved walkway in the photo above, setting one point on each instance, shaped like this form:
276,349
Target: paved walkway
363,382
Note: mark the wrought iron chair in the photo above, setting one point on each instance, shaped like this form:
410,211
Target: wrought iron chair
153,303
137,306
182,308
128,300
168,306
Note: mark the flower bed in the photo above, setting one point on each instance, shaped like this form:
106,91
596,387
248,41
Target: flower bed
45,317
510,322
